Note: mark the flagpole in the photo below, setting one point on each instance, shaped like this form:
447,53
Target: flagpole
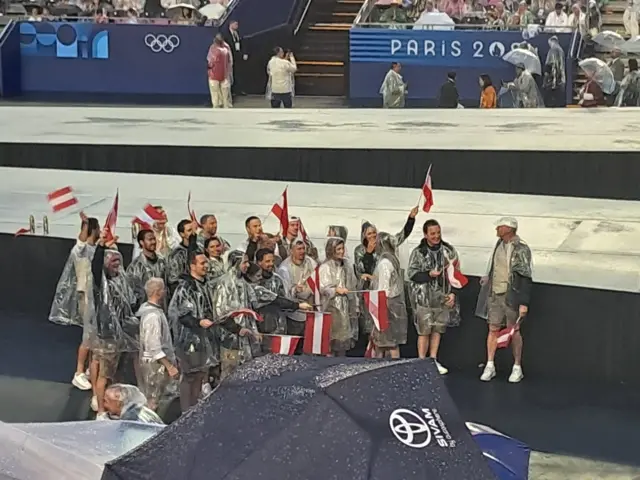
75,212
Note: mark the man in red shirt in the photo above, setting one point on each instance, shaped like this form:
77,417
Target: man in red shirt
220,71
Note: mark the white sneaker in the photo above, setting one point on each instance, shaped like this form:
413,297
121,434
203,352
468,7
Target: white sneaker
516,374
489,372
94,403
441,370
81,382
102,416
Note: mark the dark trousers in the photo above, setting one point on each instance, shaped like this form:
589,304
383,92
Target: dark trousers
555,98
239,73
281,98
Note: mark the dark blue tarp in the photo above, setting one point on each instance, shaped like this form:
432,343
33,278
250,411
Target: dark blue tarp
312,418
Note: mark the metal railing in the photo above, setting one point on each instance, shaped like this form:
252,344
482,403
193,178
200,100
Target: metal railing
302,17
460,26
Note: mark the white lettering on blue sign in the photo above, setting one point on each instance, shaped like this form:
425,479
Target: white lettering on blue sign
431,48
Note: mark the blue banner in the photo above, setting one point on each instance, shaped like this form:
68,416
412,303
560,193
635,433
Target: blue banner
428,55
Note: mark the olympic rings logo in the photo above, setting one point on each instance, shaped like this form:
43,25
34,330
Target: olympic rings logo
161,43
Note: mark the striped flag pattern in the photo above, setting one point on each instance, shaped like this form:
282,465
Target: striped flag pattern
61,199
148,216
506,334
317,334
284,344
314,284
112,218
245,311
281,210
376,303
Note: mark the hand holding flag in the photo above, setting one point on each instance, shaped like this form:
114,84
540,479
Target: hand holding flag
506,334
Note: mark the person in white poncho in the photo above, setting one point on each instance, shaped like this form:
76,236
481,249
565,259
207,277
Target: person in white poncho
393,88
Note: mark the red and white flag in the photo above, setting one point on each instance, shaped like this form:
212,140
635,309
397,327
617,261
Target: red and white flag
245,311
317,334
375,302
61,199
281,211
284,344
455,276
192,213
302,233
314,284
370,352
112,219
148,216
506,334
22,231
427,192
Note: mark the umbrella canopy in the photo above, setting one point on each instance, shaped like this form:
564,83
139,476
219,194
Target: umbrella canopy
508,457
307,418
609,39
69,450
434,21
176,10
527,58
600,72
632,45
213,11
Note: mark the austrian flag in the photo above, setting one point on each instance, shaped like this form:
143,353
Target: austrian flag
281,210
427,192
245,311
284,344
376,303
148,216
61,199
506,334
314,284
455,276
317,334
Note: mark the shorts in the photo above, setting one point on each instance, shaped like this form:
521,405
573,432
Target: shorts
500,315
229,361
109,360
431,320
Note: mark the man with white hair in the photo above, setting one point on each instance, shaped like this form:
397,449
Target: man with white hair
157,357
504,297
126,402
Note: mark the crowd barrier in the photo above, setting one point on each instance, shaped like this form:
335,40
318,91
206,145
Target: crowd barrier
428,55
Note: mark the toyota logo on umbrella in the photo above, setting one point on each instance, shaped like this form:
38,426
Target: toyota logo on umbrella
410,428
161,43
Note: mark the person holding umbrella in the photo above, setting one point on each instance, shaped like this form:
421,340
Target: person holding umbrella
525,89
600,80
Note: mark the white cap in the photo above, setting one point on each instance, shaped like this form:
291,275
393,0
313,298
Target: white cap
507,222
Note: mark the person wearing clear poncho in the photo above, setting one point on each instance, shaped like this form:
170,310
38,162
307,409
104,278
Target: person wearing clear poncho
71,299
239,337
393,88
433,300
629,95
113,303
294,271
191,317
177,260
554,79
146,265
365,259
388,276
336,281
127,402
525,90
213,249
158,365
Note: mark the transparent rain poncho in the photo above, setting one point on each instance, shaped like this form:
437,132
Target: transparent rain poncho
296,275
337,273
140,270
117,329
74,288
393,90
428,299
388,276
555,59
231,294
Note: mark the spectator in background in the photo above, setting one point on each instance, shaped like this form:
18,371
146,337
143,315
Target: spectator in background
395,14
629,95
591,94
554,81
488,98
557,19
240,57
522,16
220,65
456,9
393,88
281,69
631,17
616,64
101,16
577,19
132,16
449,97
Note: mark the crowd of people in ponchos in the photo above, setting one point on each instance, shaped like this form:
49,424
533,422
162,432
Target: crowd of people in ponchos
190,308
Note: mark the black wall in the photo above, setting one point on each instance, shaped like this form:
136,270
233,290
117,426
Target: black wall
580,174
572,333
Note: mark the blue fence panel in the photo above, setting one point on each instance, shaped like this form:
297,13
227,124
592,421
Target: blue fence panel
428,55
124,59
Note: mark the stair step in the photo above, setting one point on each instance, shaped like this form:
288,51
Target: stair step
345,14
346,7
306,54
320,63
330,86
321,70
331,27
334,17
320,75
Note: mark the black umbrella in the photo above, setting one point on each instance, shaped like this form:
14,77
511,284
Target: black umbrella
314,418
